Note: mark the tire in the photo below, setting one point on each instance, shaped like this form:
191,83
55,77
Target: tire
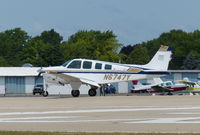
45,94
33,93
75,93
169,94
92,92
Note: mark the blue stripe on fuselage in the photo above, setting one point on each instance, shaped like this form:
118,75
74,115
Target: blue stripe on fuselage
141,72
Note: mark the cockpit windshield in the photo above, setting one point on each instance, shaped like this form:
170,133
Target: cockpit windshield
66,63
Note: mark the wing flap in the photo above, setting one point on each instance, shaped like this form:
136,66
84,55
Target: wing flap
70,78
90,82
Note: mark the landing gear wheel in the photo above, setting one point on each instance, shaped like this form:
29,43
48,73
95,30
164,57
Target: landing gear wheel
169,94
75,93
92,92
45,94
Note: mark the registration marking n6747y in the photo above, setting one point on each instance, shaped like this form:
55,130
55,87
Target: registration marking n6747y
116,77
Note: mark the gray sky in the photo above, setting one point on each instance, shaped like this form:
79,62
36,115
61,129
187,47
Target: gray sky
133,21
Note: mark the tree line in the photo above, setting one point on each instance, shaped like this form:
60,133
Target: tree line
49,48
186,49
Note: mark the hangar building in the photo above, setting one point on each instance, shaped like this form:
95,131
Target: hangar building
21,80
17,80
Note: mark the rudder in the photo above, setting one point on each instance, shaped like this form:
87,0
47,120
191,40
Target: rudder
161,59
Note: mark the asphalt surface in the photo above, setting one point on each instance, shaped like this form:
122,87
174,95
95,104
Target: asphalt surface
169,114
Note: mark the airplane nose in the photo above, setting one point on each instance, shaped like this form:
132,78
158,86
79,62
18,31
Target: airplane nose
39,70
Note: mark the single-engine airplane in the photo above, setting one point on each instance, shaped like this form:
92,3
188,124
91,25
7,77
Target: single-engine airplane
138,87
169,87
192,87
158,86
96,73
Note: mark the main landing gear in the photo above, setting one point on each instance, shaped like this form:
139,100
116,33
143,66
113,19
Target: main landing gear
76,86
92,92
75,93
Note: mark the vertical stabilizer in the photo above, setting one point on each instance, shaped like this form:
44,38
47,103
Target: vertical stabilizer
161,59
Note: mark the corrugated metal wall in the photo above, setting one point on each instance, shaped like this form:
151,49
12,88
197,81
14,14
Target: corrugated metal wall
39,80
15,85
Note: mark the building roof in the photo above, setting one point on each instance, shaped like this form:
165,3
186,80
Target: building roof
184,71
19,71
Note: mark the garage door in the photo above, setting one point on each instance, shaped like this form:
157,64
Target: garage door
15,85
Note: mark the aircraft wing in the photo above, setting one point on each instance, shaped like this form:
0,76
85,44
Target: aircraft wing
186,82
89,82
161,89
70,78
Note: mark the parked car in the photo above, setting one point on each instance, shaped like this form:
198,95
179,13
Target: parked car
39,88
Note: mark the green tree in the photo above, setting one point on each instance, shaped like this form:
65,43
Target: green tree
40,54
3,62
50,37
191,62
44,50
32,53
74,50
93,45
182,42
139,55
12,43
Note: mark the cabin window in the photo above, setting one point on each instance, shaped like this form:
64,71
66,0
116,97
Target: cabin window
162,85
98,66
168,84
66,63
108,67
75,64
87,65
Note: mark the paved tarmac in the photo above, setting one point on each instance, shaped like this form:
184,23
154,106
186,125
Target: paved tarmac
169,114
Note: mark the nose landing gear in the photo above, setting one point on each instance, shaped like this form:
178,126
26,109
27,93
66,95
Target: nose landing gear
45,94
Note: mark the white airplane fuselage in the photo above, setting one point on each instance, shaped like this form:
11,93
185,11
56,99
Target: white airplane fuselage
95,73
101,76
